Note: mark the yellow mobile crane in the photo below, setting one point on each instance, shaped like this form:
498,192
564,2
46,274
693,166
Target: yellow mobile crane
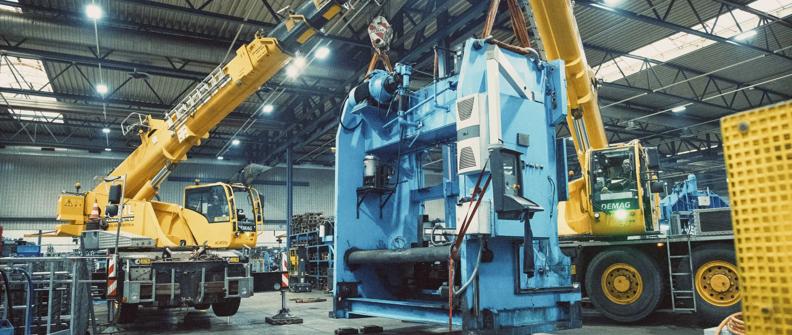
169,255
609,224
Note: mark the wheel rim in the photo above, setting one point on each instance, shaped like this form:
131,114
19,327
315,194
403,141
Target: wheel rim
717,283
622,284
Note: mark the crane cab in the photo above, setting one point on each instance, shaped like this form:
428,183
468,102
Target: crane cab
233,208
623,190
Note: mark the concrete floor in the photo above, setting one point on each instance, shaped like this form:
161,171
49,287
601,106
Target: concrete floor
250,320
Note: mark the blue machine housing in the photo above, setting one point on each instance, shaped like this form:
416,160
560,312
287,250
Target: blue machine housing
685,197
400,127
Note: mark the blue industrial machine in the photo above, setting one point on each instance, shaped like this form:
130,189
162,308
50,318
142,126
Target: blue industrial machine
503,173
683,199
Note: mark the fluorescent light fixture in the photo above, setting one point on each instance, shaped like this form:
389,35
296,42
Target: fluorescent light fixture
106,130
235,142
94,12
678,109
267,109
108,149
292,71
219,158
101,89
322,52
613,3
299,62
746,35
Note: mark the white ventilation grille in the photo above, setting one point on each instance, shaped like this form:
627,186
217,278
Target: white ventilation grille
467,159
465,108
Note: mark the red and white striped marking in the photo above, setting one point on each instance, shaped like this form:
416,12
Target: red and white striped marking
284,270
112,277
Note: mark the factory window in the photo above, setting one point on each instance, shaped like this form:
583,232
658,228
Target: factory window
211,202
727,25
9,8
27,75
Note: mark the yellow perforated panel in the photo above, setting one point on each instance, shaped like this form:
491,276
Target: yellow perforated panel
757,146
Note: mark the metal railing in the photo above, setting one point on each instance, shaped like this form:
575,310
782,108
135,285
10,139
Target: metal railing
61,300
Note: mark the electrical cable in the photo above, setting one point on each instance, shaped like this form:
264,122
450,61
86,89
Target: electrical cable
341,122
552,196
231,46
473,275
432,236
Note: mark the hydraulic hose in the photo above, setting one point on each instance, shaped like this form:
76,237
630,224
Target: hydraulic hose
8,311
29,308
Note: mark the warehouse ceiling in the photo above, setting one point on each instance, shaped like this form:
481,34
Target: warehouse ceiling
667,69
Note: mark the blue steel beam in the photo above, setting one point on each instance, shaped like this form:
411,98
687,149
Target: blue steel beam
467,17
80,97
185,10
781,21
694,72
676,27
666,95
106,63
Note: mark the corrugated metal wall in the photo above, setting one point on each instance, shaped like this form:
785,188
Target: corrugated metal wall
30,185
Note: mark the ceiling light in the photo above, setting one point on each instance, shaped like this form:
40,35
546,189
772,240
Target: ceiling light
292,71
678,109
745,35
106,130
322,52
267,109
108,149
299,62
235,142
613,2
219,158
101,89
93,12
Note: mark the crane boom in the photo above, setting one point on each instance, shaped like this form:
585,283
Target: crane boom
558,30
613,195
165,143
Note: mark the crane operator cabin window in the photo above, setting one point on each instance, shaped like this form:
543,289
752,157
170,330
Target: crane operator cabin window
211,202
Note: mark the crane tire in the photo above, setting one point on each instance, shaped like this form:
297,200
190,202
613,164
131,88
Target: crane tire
624,284
228,307
127,313
718,294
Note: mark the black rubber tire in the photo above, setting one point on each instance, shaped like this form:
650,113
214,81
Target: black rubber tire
650,275
708,314
202,307
127,313
228,307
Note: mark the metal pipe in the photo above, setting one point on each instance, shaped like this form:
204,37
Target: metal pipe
289,194
398,256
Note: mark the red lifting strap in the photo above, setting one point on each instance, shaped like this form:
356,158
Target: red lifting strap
477,196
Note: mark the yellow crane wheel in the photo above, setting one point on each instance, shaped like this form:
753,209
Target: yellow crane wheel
621,283
717,283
